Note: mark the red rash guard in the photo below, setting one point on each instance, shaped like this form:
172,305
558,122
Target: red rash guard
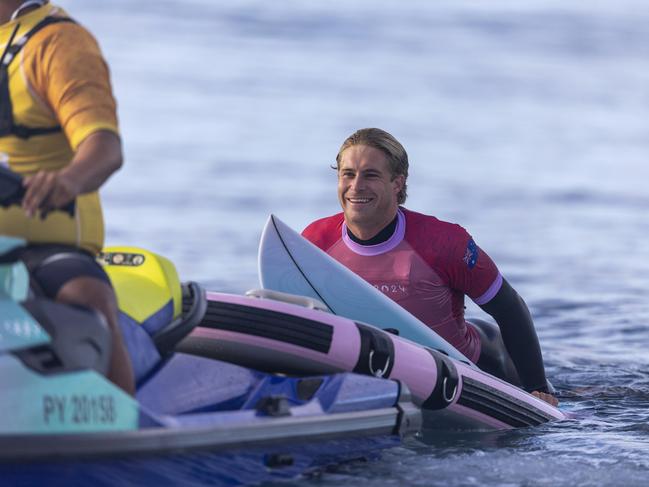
426,266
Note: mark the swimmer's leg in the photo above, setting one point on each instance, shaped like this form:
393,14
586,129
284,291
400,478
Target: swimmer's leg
98,295
72,276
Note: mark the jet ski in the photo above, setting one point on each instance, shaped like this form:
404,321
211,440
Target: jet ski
193,419
63,422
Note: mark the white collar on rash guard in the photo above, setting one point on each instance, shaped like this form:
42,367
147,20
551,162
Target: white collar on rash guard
383,247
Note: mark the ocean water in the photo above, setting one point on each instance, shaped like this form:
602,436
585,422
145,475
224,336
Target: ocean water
526,122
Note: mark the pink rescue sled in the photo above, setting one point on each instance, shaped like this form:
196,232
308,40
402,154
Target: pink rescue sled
287,334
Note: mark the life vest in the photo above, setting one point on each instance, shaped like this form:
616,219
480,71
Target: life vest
8,125
31,140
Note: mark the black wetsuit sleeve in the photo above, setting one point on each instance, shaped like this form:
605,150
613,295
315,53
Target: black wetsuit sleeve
517,329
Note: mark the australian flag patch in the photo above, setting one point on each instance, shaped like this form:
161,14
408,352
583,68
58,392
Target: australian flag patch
471,254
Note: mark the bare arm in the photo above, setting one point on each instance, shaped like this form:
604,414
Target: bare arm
96,159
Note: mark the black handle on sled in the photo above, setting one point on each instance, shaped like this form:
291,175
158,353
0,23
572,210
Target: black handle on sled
12,191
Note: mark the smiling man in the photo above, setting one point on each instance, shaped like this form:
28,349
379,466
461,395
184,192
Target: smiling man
424,264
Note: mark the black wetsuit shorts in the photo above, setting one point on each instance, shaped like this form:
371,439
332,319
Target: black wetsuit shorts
51,266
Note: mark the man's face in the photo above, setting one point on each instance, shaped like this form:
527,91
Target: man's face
366,190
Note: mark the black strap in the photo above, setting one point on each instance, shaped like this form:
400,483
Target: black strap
6,114
24,132
11,187
14,49
6,49
7,123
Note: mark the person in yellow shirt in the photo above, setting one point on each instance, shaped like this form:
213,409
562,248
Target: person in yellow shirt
58,129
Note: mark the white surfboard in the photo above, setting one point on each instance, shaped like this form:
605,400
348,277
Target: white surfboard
289,263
